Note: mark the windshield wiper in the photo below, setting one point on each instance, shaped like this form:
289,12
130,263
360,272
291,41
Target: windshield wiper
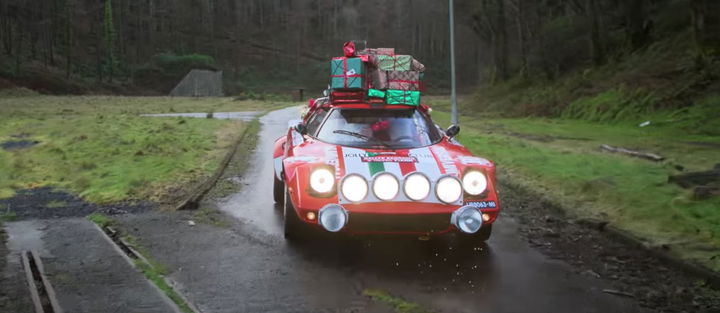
361,136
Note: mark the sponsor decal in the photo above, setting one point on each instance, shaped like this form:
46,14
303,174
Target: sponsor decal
482,204
297,139
331,158
445,160
399,163
278,167
306,159
467,160
374,166
389,158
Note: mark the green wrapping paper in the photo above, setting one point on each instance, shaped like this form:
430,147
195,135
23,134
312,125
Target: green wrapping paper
394,63
347,73
374,93
402,97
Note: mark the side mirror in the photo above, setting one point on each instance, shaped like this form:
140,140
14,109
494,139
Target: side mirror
301,128
325,93
452,131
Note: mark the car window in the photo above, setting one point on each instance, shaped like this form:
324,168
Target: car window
378,128
316,120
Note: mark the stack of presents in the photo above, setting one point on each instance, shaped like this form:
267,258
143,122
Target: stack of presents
376,76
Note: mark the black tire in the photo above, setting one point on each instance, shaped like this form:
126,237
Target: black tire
292,225
476,239
278,190
484,233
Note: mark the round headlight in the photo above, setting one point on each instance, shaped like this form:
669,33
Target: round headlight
474,182
322,180
417,186
332,217
386,186
354,188
467,219
448,189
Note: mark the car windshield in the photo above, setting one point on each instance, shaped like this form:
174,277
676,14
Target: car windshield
378,128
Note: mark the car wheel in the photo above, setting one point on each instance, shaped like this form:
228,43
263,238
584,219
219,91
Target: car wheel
484,233
278,189
476,239
292,224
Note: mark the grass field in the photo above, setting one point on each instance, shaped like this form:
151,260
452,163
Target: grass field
99,147
561,159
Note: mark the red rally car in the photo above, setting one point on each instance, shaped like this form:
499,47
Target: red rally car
368,169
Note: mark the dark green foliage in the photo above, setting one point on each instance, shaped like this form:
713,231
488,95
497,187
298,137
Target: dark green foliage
181,64
611,105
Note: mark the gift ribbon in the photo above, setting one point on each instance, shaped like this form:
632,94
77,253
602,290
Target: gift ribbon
348,74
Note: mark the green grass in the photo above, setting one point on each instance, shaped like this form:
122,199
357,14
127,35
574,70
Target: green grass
398,304
567,166
84,105
135,244
56,204
99,148
155,272
7,217
101,220
660,78
157,278
210,217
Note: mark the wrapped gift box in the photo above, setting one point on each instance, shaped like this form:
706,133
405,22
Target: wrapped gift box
378,79
392,62
406,97
374,93
407,80
378,51
347,96
417,66
347,73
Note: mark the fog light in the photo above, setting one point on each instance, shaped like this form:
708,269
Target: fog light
310,215
486,217
333,217
467,219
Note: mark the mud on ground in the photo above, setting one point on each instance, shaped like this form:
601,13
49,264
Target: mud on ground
632,271
46,202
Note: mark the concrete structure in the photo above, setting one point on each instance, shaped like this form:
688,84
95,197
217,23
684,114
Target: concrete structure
199,83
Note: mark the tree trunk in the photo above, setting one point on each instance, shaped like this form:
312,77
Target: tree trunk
501,42
706,27
68,39
596,45
637,26
522,39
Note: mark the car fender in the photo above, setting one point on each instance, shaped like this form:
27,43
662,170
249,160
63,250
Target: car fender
297,177
278,156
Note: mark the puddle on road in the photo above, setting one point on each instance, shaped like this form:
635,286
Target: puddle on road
25,235
243,116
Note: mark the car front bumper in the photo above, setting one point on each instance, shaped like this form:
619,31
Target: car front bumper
399,218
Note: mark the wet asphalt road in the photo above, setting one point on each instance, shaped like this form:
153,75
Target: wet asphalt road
330,274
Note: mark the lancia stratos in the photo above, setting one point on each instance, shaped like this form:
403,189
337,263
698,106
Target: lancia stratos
367,169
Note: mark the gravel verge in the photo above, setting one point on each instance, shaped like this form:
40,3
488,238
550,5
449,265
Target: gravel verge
633,272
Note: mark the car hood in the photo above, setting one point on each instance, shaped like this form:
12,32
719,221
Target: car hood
442,159
445,158
432,161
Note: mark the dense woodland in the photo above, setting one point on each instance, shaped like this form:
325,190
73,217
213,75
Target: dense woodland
274,44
